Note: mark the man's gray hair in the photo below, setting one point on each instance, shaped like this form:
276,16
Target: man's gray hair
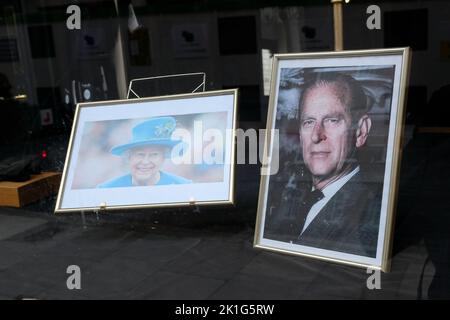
347,90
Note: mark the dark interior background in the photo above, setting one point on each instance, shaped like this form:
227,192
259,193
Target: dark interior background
45,69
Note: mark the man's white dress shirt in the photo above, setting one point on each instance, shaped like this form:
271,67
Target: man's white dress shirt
328,192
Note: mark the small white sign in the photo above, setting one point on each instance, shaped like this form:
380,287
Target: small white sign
46,117
190,40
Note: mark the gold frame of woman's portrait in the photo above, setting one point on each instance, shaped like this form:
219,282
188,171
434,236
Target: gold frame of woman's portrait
229,148
340,59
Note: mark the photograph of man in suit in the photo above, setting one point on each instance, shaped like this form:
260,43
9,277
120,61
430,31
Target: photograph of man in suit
329,202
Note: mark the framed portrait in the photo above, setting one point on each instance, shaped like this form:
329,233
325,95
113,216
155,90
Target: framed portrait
163,151
339,120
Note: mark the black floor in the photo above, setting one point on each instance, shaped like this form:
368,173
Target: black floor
176,254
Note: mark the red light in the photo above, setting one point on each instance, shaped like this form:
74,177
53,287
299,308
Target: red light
43,154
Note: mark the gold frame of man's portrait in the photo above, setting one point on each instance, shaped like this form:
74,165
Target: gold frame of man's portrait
338,119
151,124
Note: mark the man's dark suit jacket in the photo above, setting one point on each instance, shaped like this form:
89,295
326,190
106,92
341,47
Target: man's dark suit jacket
348,223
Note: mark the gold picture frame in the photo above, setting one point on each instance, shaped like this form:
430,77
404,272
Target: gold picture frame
105,133
343,233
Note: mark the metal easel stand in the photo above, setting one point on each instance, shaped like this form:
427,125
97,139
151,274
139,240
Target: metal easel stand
101,208
194,205
201,85
192,201
83,220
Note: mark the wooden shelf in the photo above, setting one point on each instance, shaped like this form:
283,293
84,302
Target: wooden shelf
18,194
434,130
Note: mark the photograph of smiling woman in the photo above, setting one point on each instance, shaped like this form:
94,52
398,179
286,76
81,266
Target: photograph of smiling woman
151,144
148,151
129,154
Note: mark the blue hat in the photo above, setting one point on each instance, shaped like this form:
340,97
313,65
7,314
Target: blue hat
156,131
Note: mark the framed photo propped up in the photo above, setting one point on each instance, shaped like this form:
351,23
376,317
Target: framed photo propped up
339,117
163,151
